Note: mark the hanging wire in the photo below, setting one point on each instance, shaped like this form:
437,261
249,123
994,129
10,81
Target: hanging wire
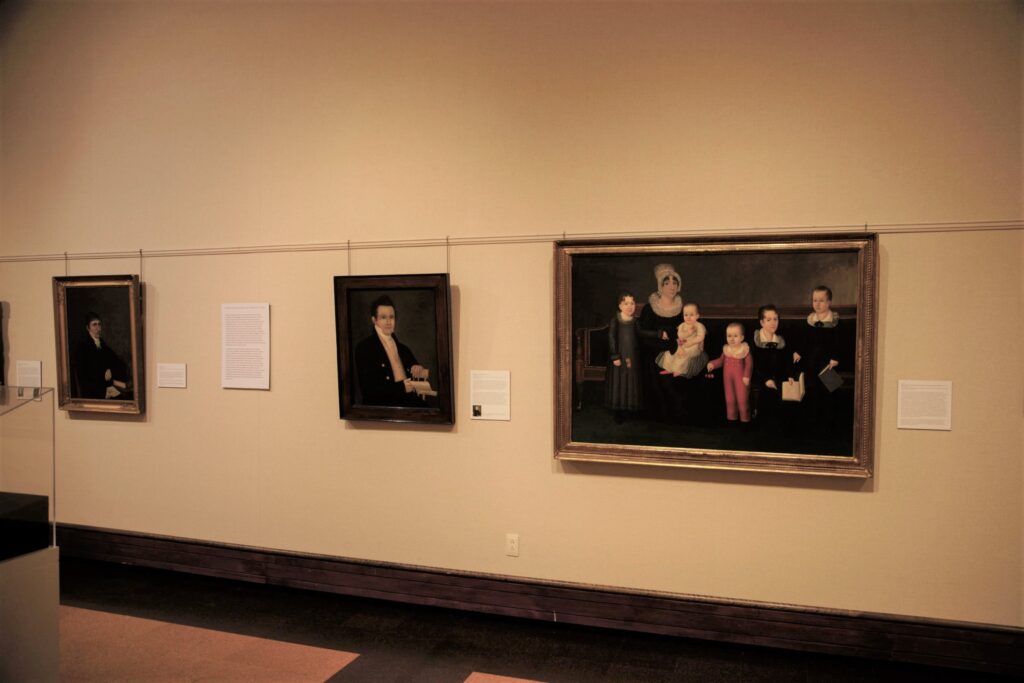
140,265
349,250
65,264
681,233
447,255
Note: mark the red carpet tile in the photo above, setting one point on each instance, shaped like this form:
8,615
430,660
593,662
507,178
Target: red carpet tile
98,646
491,678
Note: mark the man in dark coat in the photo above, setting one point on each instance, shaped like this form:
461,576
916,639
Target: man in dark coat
385,366
98,372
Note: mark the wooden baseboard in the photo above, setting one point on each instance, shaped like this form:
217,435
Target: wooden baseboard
934,642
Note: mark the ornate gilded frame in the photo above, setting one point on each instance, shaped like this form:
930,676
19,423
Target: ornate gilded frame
744,269
117,299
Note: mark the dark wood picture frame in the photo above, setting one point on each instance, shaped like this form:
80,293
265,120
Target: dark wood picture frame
682,420
105,376
421,306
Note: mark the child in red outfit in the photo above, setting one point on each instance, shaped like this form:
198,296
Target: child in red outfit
738,367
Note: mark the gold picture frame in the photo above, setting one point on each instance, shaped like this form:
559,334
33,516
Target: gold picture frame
667,408
98,324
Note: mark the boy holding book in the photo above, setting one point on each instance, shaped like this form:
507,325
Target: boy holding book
817,355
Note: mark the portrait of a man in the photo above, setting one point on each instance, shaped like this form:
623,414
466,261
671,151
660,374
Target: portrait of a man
99,343
387,370
97,370
394,351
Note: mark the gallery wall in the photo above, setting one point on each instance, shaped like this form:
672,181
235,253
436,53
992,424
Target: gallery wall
194,130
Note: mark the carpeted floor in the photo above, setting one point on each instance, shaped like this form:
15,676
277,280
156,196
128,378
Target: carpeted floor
100,646
123,623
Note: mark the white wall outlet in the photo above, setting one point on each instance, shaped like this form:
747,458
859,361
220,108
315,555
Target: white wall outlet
512,545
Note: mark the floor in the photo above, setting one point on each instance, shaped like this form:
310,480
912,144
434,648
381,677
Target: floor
112,647
123,623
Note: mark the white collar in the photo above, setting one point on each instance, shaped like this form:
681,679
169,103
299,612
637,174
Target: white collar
831,320
670,311
761,342
739,354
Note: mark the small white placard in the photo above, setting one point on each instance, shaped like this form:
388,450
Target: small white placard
28,373
245,346
489,392
172,375
925,404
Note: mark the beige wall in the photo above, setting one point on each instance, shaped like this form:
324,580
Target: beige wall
1020,27
189,125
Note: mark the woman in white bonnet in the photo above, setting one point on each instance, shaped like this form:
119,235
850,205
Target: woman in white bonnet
657,330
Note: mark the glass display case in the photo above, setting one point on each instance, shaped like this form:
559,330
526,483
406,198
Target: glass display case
26,470
29,571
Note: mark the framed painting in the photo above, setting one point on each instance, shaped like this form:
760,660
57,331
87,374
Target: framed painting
394,348
99,326
739,353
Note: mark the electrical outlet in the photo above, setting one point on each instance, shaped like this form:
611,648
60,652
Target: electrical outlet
512,545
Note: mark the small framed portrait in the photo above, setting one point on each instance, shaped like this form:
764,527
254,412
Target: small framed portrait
741,353
394,348
98,324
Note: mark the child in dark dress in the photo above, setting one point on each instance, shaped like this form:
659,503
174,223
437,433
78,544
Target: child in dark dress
622,381
773,365
818,350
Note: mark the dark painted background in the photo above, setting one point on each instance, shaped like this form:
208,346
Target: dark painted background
737,279
113,305
415,324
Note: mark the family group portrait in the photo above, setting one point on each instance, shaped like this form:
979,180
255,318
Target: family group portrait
744,348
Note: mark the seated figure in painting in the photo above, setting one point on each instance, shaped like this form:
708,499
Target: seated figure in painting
388,372
98,372
656,332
